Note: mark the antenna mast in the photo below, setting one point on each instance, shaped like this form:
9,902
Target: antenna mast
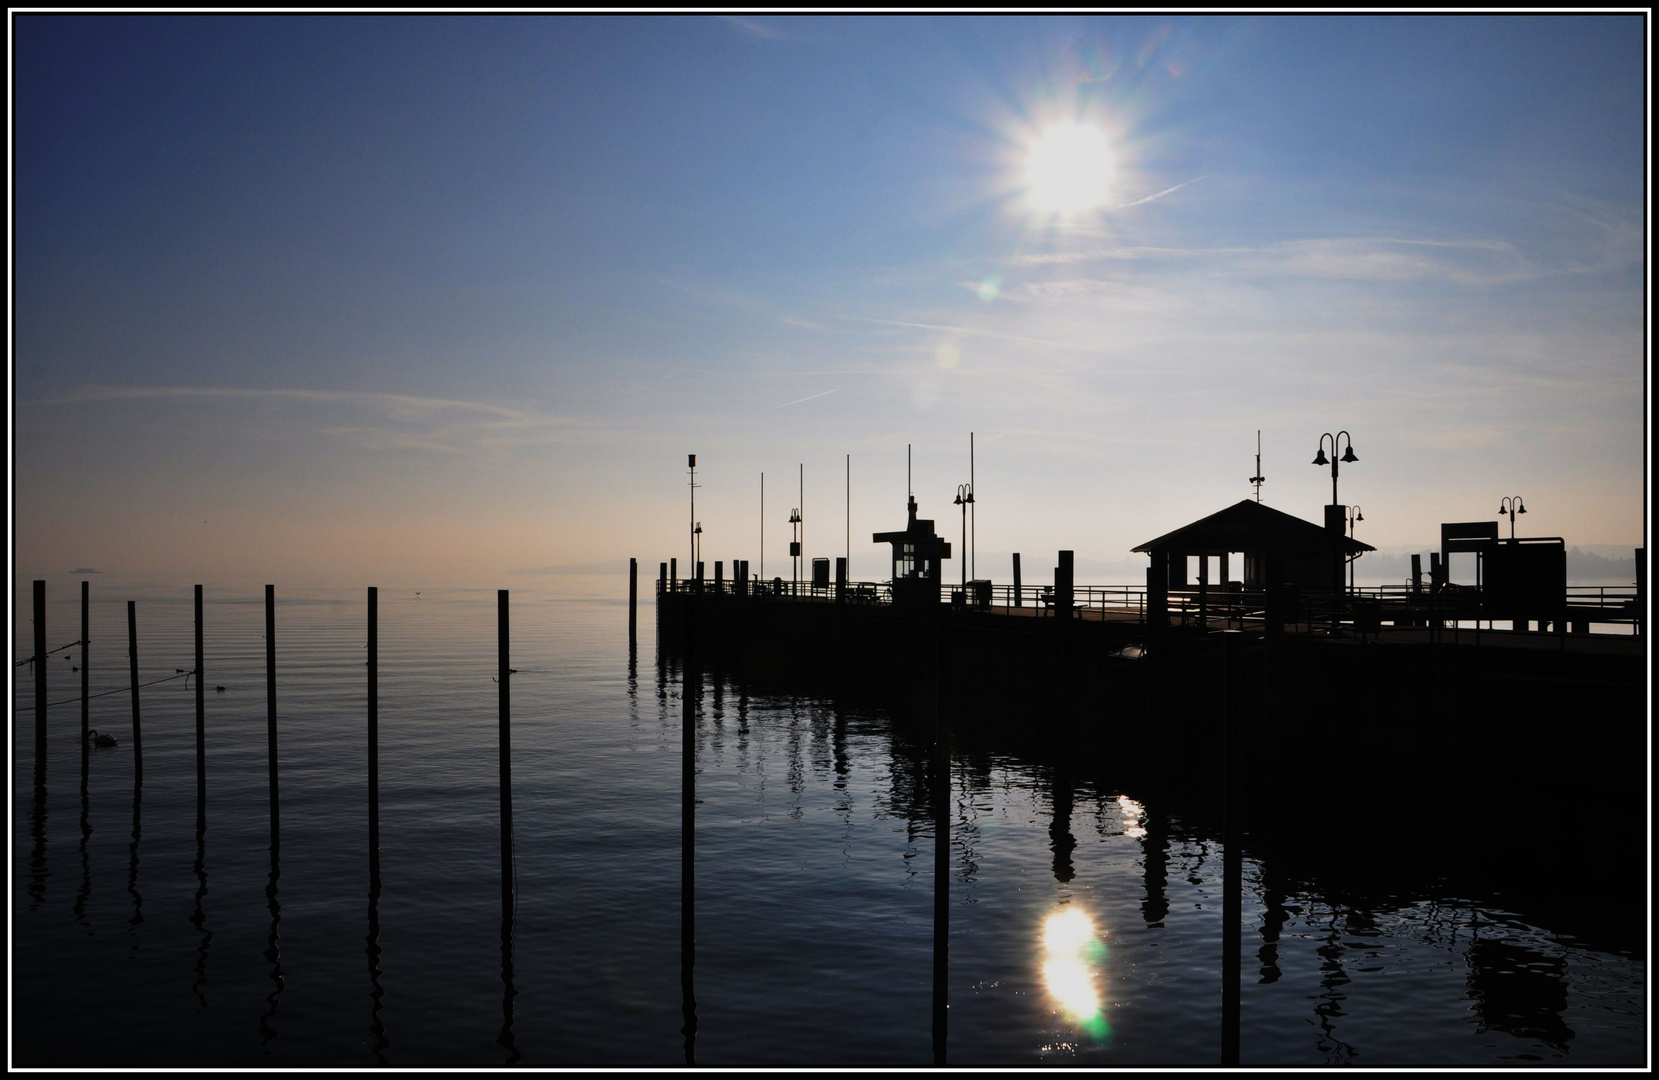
1258,479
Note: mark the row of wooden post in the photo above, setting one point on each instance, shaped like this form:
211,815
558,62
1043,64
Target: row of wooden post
504,713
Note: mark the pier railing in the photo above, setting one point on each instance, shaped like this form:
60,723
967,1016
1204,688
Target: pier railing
1365,611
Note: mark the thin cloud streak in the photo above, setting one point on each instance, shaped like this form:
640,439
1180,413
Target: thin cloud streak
797,401
1158,195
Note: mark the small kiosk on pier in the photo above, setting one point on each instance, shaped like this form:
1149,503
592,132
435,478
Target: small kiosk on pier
917,552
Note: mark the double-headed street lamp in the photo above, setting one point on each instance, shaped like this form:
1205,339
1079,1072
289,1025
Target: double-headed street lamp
1347,455
964,499
1511,505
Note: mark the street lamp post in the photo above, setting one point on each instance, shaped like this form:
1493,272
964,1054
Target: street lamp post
1354,515
964,499
1347,455
697,546
691,460
1511,505
795,550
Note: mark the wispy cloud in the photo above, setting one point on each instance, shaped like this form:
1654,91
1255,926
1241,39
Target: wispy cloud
753,28
373,420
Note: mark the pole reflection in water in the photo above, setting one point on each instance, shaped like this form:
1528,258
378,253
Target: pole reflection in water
1060,838
37,827
273,946
198,917
85,892
377,993
132,864
690,692
508,993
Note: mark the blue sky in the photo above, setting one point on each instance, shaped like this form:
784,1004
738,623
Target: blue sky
444,298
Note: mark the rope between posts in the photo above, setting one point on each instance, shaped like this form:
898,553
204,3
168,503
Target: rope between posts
59,649
107,693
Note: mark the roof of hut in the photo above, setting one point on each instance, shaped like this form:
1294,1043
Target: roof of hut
1250,526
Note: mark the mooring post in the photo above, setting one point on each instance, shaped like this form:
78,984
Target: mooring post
633,600
374,737
132,667
674,574
271,710
40,680
506,713
691,692
941,849
1063,587
1232,833
201,716
86,700
1018,600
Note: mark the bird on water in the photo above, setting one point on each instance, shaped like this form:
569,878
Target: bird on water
99,740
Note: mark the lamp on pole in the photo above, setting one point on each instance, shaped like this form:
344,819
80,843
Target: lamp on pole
1332,461
697,546
964,499
691,461
1354,515
1511,505
795,549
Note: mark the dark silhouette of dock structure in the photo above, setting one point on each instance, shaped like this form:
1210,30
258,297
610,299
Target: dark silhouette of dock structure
1368,674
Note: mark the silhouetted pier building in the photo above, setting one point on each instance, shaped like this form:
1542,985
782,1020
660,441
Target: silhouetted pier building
917,554
1282,556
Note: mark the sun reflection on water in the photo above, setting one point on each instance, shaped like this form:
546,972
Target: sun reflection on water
1072,949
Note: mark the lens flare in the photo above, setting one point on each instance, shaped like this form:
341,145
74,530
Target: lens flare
1069,168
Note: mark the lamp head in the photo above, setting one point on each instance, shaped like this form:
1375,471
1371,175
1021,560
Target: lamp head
958,501
1520,507
1321,459
1348,454
1360,516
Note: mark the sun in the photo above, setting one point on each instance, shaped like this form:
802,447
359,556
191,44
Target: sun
1069,169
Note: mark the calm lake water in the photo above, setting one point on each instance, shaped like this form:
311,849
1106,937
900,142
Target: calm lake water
1088,936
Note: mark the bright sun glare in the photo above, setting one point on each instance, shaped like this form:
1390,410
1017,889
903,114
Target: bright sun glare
1069,168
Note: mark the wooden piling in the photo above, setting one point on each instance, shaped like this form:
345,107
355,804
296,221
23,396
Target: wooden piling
86,697
941,850
271,713
1232,834
40,680
374,738
504,699
691,691
1063,587
132,667
633,600
201,716
1019,601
